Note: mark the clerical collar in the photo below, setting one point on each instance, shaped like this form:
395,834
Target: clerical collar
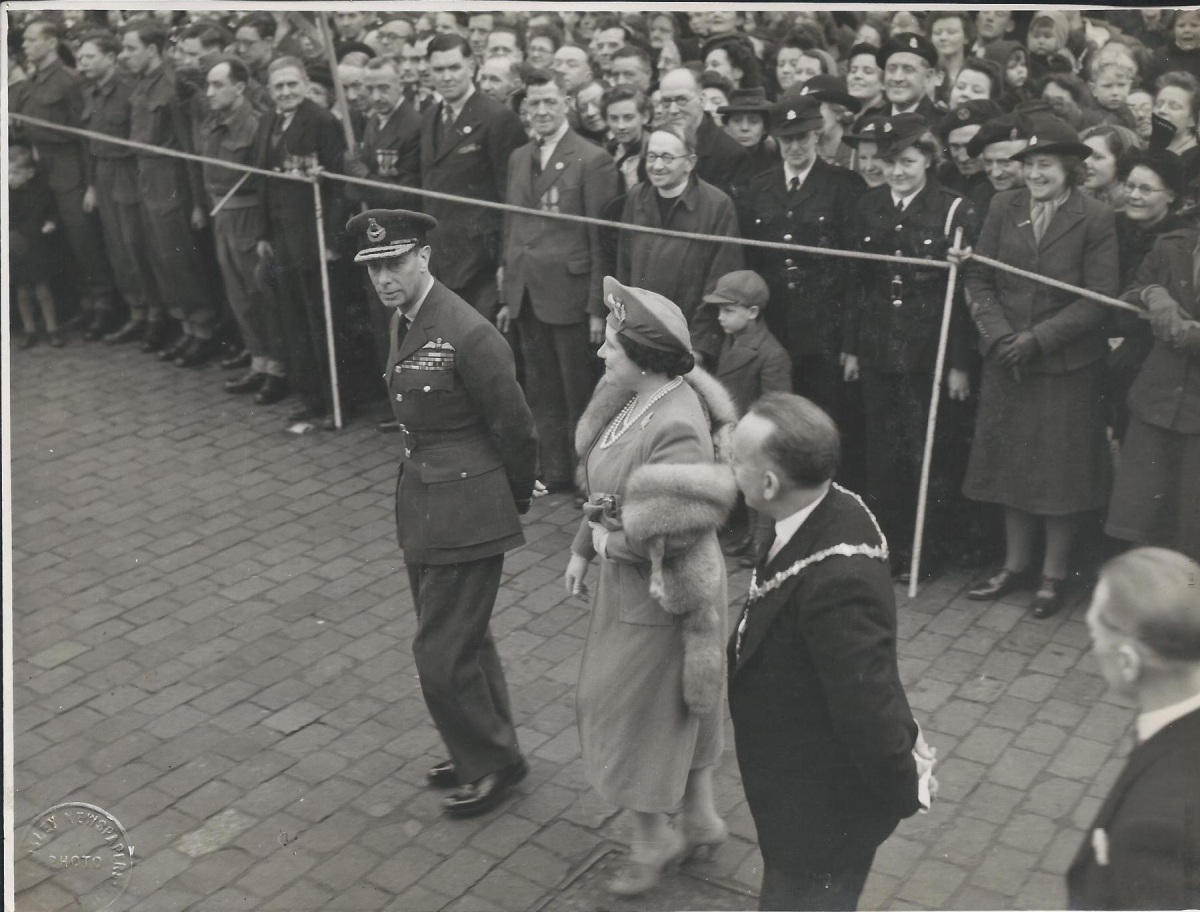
1151,723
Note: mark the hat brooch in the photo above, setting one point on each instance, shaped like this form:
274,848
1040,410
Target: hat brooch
963,114
887,128
375,231
618,308
791,115
912,43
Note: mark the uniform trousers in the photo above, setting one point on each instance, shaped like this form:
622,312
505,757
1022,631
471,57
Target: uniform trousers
300,312
91,273
897,408
559,379
236,231
795,888
821,378
459,668
174,256
125,235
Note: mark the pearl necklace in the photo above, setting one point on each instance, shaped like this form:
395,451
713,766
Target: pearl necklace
626,419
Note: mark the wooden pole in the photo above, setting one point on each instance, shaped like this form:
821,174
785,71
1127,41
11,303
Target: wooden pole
931,424
338,90
329,343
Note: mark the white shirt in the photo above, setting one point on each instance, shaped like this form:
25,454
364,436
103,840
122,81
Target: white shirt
550,143
1151,723
789,172
788,526
456,109
904,201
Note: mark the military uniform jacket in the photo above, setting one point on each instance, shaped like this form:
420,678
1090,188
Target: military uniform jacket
392,153
559,264
106,110
470,443
896,325
53,93
158,117
472,162
1143,849
823,728
230,137
810,294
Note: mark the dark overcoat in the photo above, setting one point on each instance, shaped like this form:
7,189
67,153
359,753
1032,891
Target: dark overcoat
392,154
470,444
753,363
823,729
1142,850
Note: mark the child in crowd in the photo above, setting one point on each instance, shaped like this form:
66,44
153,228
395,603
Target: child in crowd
1047,43
31,229
1013,60
1111,83
751,362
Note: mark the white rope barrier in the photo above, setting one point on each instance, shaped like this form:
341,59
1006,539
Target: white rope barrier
1055,283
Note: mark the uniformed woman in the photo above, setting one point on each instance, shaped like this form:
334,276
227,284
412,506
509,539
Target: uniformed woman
649,703
892,345
1040,448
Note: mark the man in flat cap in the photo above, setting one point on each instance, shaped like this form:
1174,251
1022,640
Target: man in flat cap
469,455
909,62
1142,850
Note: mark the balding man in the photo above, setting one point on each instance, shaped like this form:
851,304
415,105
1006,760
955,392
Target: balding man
499,78
719,159
1142,851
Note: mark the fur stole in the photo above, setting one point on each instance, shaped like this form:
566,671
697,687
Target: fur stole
676,510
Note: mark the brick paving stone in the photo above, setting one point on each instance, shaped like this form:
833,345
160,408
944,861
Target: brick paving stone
993,803
404,868
536,864
209,873
984,744
273,874
1017,768
897,856
1029,832
1080,758
965,842
504,835
932,883
1004,870
304,896
1054,798
1041,737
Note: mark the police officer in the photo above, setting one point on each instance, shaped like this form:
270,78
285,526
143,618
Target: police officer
54,93
894,333
804,200
470,452
172,193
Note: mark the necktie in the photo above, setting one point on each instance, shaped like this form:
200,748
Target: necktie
402,330
1041,219
538,145
793,185
899,206
447,125
764,558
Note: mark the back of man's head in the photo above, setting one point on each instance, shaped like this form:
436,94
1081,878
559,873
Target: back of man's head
804,445
1153,595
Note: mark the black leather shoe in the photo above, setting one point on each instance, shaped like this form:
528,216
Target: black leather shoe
175,349
95,329
1051,595
157,337
130,332
274,389
1002,583
240,361
442,776
391,426
56,338
247,383
484,793
199,352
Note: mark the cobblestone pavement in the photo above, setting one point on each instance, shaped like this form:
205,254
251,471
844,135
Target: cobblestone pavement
212,633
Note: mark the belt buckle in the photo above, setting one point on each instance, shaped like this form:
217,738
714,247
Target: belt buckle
407,442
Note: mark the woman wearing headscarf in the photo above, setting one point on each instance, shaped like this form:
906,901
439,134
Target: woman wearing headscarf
653,459
1040,448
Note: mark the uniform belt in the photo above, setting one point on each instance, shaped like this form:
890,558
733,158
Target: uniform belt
415,440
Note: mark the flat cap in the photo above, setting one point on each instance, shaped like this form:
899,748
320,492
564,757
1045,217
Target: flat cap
742,286
796,113
383,233
646,317
907,43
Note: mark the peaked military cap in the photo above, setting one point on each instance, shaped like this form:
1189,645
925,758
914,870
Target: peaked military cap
646,317
1007,128
383,233
830,88
907,43
796,113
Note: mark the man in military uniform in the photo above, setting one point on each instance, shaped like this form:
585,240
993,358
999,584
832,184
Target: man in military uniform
54,93
172,192
909,64
470,451
804,200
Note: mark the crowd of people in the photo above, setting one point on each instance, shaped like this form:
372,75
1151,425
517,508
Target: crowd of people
1062,142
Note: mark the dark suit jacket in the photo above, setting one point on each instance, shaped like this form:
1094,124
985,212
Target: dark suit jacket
810,295
1079,247
469,435
473,163
559,264
392,154
903,338
752,364
720,161
313,137
823,729
1150,829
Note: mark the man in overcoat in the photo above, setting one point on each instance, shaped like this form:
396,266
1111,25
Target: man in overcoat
465,144
1142,850
468,473
553,271
824,734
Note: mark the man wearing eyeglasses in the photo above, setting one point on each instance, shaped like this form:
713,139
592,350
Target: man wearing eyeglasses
1143,847
720,161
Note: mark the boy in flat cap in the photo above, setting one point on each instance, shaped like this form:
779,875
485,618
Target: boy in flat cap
469,455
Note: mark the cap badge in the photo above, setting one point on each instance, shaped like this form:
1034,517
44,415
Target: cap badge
804,91
375,231
618,308
912,43
1033,140
887,128
791,115
963,114
1014,134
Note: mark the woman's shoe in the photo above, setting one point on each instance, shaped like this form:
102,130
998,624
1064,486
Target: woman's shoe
1002,583
1050,597
705,841
640,877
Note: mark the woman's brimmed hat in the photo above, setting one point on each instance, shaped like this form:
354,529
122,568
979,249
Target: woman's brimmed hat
870,130
829,88
1167,165
747,101
1053,137
646,317
901,131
